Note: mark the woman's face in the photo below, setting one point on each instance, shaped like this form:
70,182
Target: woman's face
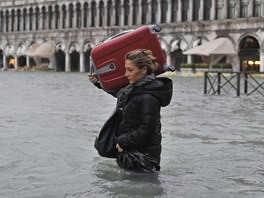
133,73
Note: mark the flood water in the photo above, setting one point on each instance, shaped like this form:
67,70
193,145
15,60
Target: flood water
213,146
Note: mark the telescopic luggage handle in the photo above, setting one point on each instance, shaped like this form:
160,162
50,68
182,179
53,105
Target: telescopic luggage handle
152,28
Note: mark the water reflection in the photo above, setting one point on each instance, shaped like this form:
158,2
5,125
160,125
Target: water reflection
122,183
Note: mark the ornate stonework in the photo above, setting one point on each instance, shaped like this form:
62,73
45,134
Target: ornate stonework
73,27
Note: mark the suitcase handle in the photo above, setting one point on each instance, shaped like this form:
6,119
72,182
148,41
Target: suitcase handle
154,28
119,34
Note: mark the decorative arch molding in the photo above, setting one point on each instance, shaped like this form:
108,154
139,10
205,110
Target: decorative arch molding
60,46
9,50
74,46
178,43
164,45
261,44
21,49
198,40
87,46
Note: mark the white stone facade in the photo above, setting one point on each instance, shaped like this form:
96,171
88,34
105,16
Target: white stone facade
73,27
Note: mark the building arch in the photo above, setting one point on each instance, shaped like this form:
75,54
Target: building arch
249,48
74,57
21,55
177,46
60,49
87,48
10,56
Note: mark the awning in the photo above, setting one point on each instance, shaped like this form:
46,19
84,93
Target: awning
213,51
40,50
220,46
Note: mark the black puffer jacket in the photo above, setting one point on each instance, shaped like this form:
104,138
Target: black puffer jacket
140,128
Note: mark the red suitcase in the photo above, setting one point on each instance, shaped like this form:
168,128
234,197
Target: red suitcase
108,61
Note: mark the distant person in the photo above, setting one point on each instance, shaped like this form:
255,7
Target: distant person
140,128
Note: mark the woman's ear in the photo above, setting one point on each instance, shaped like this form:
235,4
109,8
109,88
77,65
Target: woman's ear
144,70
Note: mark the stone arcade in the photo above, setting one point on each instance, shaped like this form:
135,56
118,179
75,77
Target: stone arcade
72,27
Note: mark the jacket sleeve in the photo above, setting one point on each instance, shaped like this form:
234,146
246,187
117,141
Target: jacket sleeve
149,117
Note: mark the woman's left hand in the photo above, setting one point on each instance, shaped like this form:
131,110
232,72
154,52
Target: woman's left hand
119,149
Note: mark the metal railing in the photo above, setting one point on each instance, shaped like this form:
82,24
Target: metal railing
217,82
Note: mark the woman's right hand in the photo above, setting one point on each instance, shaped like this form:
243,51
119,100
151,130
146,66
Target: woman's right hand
92,77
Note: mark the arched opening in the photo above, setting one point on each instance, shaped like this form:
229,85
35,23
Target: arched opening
11,62
249,54
75,61
21,61
1,59
60,60
21,56
87,54
177,57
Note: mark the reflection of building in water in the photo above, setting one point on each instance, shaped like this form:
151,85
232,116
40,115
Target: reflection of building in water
71,28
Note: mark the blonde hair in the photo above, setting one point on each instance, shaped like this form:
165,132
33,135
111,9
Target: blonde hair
143,58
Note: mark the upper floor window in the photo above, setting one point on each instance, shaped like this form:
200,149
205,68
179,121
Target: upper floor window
164,9
219,9
185,6
135,11
196,8
126,12
144,11
231,9
257,8
117,12
207,9
174,9
154,9
244,9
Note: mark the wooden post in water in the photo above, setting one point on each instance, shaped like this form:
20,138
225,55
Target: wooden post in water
246,83
205,82
218,83
238,84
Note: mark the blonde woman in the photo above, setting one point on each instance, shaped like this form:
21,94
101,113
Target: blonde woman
139,132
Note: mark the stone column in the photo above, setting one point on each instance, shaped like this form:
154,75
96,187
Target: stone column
149,12
28,62
169,12
190,11
158,19
262,9
16,62
261,54
189,58
61,18
250,8
5,66
130,21
139,16
34,20
82,65
237,9
122,14
168,58
67,23
27,21
225,9
179,18
201,11
213,11
40,19
75,16
10,22
15,22
67,62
